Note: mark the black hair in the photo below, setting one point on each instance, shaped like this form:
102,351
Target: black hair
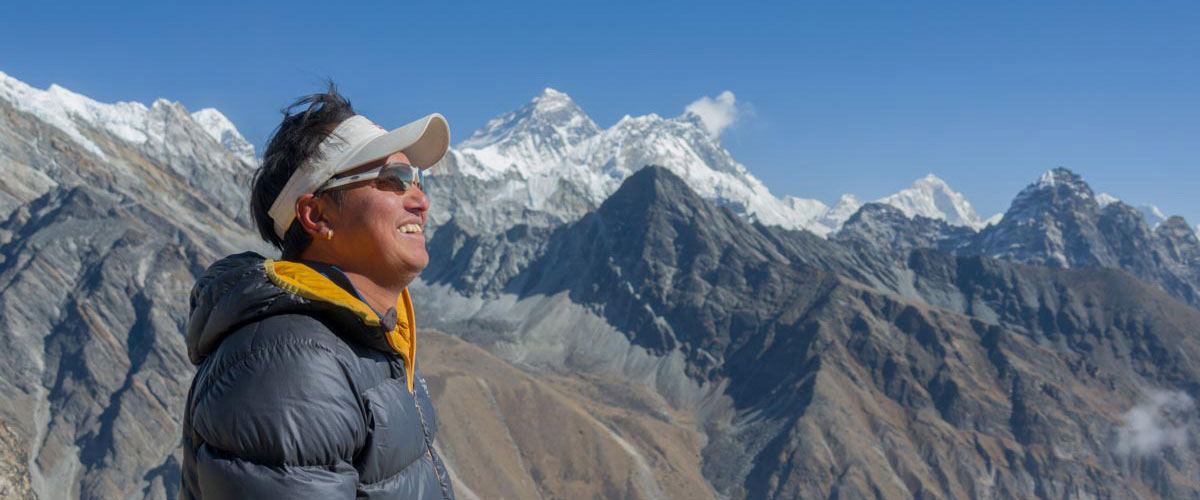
306,123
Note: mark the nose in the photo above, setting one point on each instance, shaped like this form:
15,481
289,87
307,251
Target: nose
415,200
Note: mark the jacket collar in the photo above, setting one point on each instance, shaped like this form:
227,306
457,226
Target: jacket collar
304,281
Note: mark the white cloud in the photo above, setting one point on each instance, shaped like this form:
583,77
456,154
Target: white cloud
1154,424
717,114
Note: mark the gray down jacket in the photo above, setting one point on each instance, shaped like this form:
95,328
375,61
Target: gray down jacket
302,391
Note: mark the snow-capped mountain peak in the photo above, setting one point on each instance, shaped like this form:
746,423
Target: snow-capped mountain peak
80,117
222,130
533,155
552,100
536,136
551,113
839,213
549,149
60,107
931,197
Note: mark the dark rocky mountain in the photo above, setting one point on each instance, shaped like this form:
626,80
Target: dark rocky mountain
885,228
1054,222
999,380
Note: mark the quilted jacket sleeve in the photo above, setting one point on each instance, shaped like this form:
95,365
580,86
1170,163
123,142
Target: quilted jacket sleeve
279,420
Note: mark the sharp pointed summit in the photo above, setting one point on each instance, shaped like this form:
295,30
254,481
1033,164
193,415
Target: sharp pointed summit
551,99
1053,222
1063,181
536,136
931,197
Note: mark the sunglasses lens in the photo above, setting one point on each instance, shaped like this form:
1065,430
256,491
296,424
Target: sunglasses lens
398,177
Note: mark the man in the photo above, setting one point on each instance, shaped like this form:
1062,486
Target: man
308,383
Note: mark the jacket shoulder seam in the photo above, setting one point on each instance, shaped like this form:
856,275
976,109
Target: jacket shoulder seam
242,358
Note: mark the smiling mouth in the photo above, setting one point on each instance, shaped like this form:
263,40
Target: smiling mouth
411,229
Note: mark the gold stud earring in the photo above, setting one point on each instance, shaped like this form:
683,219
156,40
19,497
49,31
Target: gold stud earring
329,235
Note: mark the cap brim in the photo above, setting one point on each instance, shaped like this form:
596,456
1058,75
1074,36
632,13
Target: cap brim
424,141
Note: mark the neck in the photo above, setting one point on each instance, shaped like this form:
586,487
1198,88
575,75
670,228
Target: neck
380,296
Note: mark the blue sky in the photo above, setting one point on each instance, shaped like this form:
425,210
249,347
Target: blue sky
832,97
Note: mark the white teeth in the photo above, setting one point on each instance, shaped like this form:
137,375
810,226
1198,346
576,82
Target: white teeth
410,228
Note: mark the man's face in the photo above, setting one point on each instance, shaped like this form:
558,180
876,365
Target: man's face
370,233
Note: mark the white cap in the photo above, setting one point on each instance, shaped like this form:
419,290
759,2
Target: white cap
356,142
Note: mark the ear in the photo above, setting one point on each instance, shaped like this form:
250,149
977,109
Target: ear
311,213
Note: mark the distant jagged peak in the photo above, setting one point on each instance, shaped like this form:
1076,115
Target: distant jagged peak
218,126
550,143
211,117
628,121
847,204
1105,199
928,196
54,106
552,118
551,99
930,181
1061,177
1054,188
687,126
681,145
839,213
132,122
932,197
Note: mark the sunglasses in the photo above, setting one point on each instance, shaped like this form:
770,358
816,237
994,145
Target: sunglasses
398,177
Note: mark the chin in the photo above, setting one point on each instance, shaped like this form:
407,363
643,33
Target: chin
412,267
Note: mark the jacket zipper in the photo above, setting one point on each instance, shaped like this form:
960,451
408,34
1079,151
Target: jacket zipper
437,471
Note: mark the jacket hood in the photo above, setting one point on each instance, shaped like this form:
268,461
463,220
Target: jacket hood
247,287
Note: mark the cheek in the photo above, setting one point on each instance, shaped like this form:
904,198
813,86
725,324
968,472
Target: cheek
357,218
381,218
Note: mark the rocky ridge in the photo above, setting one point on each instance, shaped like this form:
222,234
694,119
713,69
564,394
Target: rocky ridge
1058,222
548,157
108,211
1011,370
